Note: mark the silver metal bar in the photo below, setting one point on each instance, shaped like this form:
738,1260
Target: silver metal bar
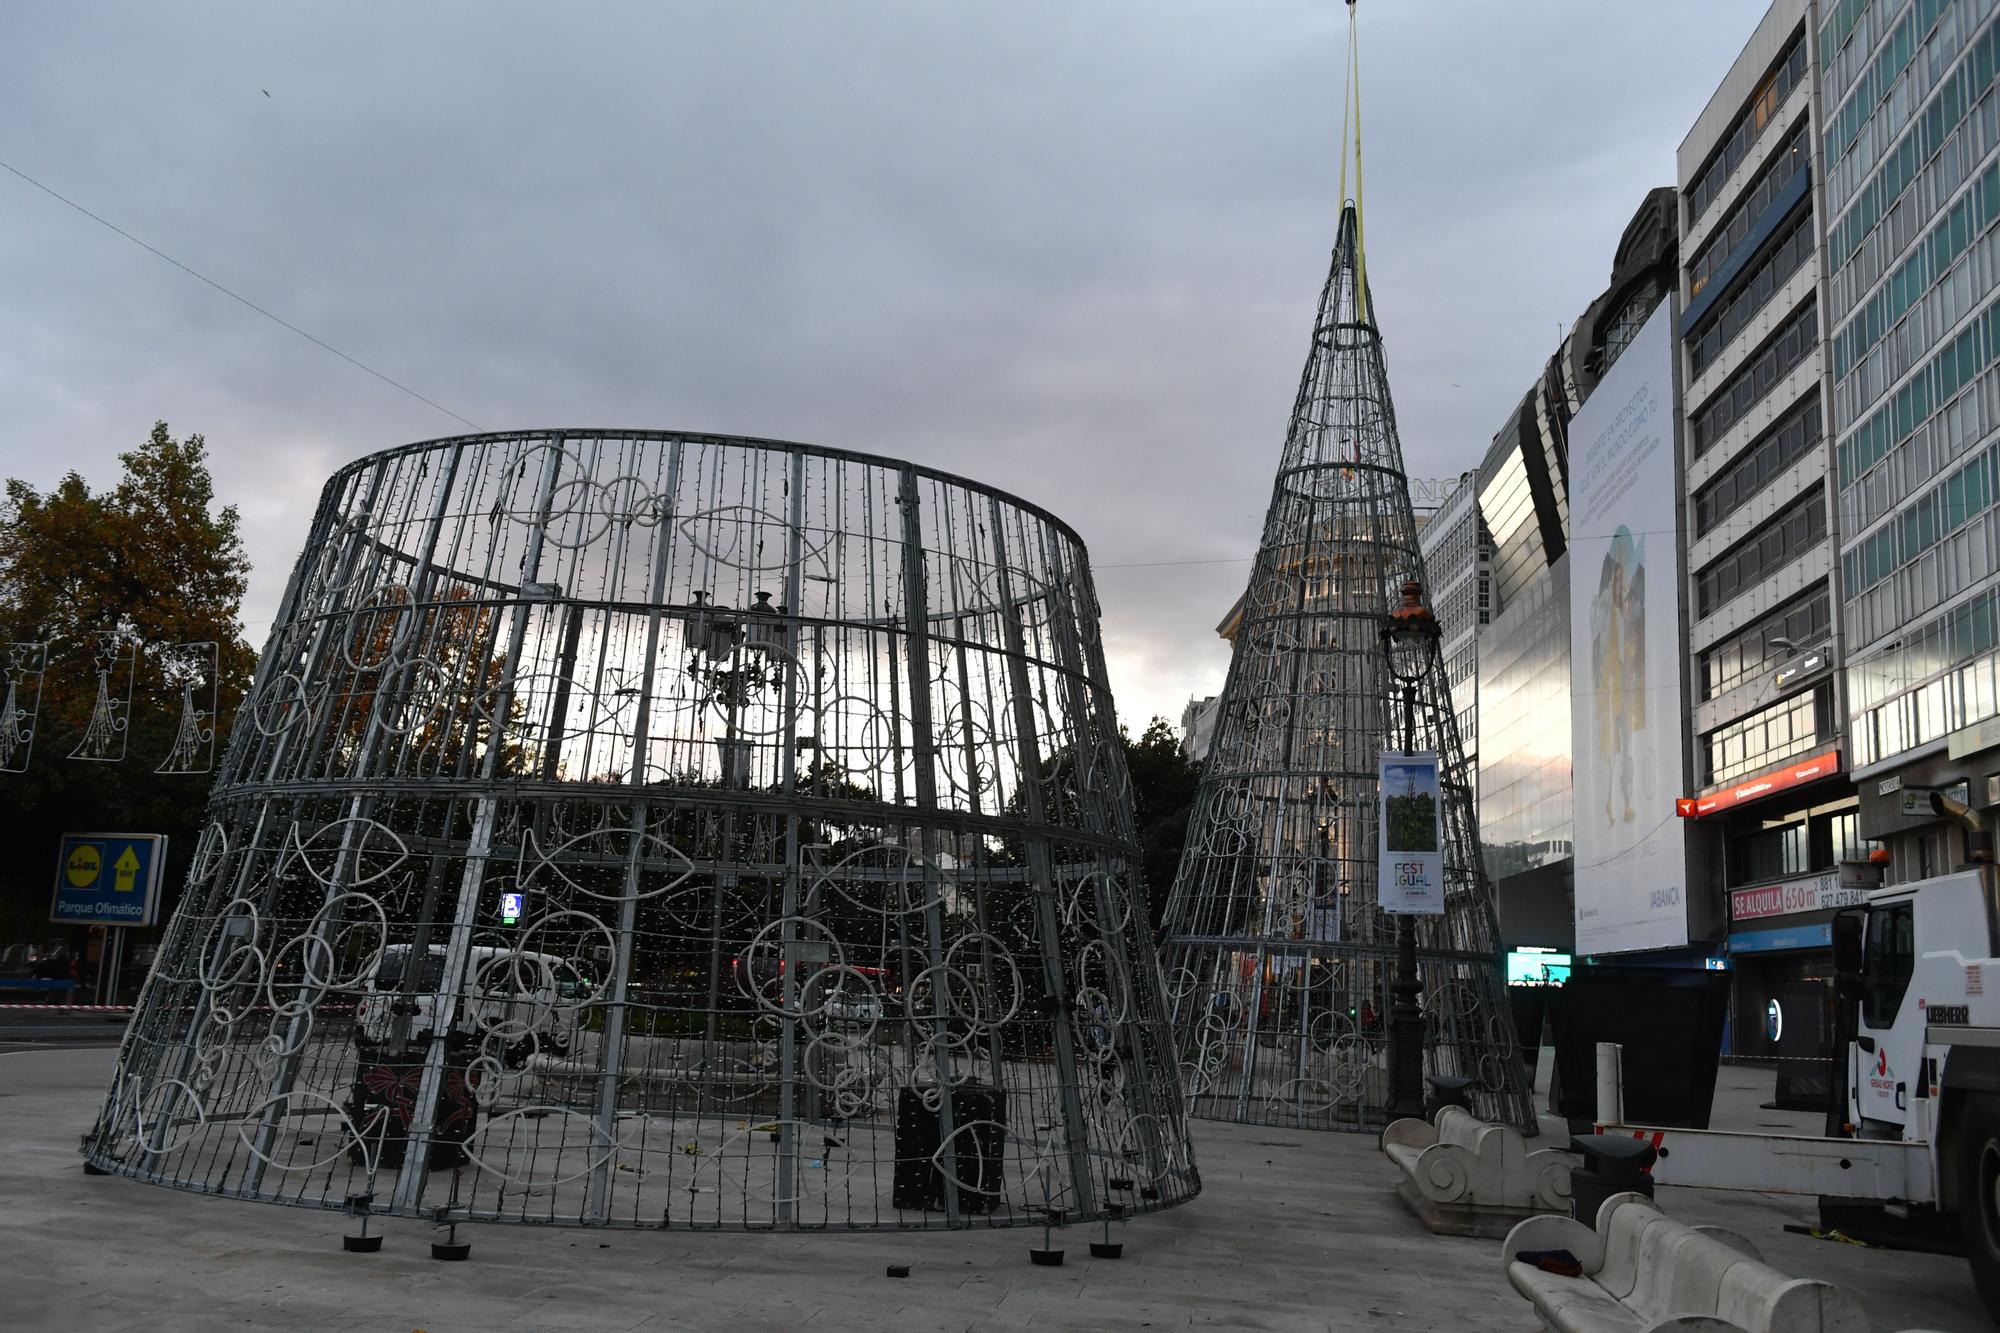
611,1050
458,948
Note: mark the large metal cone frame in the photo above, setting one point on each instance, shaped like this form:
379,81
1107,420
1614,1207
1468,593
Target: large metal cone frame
1278,955
631,828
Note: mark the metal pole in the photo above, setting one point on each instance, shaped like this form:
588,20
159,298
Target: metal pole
1610,1083
478,851
117,942
611,1048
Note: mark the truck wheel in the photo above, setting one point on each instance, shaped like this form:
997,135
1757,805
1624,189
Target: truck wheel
1978,1170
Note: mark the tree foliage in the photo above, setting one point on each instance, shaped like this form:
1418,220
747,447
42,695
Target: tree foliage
156,560
1164,782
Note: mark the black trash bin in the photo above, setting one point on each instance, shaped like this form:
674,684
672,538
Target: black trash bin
1612,1164
383,1103
978,1118
1447,1090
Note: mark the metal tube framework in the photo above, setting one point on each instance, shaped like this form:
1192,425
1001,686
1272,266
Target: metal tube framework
631,828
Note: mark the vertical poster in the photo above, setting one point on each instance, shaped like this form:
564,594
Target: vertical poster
1625,654
1412,859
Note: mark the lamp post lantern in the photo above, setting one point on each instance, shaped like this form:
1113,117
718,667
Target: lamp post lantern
1409,639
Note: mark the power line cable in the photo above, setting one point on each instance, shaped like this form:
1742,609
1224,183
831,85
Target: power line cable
243,300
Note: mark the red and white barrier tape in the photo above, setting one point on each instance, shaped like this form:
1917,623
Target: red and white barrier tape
74,1008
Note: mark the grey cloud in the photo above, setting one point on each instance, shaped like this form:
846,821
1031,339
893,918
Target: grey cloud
1071,249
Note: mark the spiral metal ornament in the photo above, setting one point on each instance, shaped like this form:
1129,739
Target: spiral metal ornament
658,830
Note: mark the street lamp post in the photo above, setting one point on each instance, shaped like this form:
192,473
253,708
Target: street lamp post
1409,639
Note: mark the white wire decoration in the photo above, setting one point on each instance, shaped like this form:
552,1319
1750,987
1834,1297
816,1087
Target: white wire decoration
189,670
22,667
114,660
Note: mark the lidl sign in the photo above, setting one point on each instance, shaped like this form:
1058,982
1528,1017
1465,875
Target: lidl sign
109,879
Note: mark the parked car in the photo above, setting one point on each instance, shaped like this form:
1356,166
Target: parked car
525,1003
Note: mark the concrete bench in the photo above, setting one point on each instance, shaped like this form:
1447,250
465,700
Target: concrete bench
1464,1177
1643,1272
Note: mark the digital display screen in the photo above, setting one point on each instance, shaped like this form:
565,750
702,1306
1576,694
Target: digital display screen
1533,968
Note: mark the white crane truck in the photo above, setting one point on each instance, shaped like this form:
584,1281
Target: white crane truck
1913,1142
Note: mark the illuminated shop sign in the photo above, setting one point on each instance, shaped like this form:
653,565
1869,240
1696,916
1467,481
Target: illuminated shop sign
1794,775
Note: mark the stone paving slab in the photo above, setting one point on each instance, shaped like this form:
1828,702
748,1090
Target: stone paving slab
1293,1230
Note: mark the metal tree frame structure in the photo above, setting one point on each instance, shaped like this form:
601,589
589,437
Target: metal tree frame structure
1278,956
630,828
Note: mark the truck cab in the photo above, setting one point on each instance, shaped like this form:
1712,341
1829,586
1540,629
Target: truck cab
1926,951
1923,1063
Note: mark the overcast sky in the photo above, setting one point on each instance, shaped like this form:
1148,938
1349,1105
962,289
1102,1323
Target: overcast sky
1070,248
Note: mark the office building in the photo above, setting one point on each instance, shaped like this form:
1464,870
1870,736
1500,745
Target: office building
1458,564
1911,193
1524,725
1773,812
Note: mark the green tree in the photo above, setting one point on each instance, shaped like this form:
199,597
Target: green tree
1164,782
154,558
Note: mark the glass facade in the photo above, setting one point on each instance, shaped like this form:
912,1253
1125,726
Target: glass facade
1938,678
1525,810
1458,570
1785,729
1913,146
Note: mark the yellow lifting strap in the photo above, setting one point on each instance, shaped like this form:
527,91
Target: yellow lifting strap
1350,146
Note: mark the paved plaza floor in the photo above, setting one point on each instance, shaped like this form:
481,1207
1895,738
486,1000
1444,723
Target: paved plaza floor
1293,1230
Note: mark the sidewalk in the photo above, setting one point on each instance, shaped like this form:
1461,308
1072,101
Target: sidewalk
1292,1231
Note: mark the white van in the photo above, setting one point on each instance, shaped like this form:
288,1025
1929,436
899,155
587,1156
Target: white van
517,1003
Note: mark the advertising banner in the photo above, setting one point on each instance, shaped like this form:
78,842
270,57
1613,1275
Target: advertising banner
1813,894
1412,859
1625,655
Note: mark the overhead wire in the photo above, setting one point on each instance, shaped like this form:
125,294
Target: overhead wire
240,298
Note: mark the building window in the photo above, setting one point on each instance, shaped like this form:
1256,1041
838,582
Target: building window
1795,435
1929,260
1789,535
1707,184
1749,652
1768,736
1844,838
1772,853
1966,357
1785,163
1956,98
1943,510
1791,344
1625,326
1881,75
1732,316
1954,651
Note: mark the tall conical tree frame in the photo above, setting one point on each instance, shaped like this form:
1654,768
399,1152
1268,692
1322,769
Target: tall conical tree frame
1278,956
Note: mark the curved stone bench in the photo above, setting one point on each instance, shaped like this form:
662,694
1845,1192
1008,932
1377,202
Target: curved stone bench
1464,1177
1644,1272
